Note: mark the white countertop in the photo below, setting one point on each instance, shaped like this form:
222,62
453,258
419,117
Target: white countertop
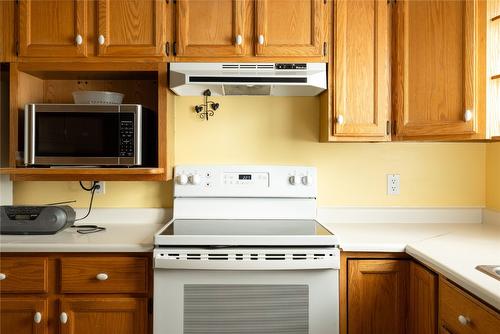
453,250
118,237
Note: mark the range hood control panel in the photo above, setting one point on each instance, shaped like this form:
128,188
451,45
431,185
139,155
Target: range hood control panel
244,181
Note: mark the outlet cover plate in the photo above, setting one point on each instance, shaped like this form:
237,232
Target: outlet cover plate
393,184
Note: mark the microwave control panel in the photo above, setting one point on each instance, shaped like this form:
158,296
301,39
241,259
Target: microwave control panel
126,135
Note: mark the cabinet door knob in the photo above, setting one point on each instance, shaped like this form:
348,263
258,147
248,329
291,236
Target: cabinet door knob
78,39
63,317
463,320
239,39
2,276
468,115
37,318
340,119
101,40
101,276
261,39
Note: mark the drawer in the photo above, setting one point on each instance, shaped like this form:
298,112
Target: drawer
104,275
23,274
455,303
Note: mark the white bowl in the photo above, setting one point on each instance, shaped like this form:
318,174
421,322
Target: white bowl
97,97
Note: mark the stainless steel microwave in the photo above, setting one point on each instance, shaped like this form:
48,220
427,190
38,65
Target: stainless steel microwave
83,135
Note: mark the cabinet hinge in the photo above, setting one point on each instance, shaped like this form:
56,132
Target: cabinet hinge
150,306
167,48
388,128
324,49
174,48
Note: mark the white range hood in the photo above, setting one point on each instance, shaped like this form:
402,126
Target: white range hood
274,79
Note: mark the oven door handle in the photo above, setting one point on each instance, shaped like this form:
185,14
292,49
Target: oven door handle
329,263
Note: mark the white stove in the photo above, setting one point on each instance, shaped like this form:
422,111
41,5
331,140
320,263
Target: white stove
244,254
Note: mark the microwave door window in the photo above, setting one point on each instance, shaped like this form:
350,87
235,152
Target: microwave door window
76,134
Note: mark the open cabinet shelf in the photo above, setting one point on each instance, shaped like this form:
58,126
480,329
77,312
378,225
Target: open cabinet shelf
83,174
144,83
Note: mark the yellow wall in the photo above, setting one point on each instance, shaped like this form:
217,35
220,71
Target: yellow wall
493,176
277,130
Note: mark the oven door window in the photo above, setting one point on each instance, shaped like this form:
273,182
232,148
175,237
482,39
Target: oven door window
77,134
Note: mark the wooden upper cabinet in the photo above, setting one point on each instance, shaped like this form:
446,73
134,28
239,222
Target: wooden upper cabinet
362,69
131,28
377,296
290,28
437,61
118,315
23,315
54,28
211,28
423,300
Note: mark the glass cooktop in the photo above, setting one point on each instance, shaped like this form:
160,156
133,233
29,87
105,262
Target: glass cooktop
258,232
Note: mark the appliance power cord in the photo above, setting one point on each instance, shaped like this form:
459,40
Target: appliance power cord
86,229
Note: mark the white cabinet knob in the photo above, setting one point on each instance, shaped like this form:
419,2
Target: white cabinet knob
37,318
239,40
463,320
101,276
63,317
340,119
2,276
305,180
182,179
293,180
195,179
101,40
261,39
78,39
468,115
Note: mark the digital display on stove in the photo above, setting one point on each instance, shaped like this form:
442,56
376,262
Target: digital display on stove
245,176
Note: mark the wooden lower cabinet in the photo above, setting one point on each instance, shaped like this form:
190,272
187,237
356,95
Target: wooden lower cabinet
103,315
109,294
461,313
422,316
23,315
377,296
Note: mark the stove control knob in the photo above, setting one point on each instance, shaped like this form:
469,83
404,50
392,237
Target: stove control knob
306,180
182,179
195,179
293,180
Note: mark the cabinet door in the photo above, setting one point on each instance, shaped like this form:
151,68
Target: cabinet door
211,28
423,300
131,28
103,315
435,65
361,60
53,28
291,28
21,315
377,296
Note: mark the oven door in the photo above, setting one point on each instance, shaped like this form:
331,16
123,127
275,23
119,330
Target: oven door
302,299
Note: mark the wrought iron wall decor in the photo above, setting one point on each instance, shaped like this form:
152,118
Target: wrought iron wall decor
206,109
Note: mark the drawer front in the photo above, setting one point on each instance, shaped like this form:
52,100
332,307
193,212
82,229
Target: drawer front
104,275
23,274
461,313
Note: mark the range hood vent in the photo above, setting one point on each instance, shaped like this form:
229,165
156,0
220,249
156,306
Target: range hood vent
280,79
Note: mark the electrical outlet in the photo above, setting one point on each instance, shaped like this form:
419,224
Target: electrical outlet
393,183
100,187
